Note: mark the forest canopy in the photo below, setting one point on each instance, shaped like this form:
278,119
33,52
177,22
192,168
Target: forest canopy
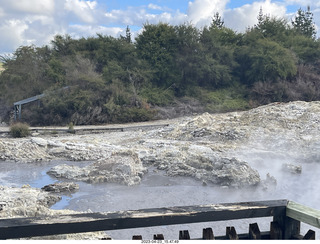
103,79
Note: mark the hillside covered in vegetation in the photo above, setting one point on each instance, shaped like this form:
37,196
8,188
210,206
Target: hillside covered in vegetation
111,80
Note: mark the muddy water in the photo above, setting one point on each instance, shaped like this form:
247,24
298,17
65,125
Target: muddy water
158,190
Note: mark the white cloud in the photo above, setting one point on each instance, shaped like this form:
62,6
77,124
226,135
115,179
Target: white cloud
78,31
200,12
12,36
84,10
154,6
303,3
246,16
138,16
28,6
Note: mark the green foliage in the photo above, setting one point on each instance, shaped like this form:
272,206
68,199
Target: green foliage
224,100
118,80
274,28
303,23
71,128
157,44
306,49
217,21
157,96
19,130
265,60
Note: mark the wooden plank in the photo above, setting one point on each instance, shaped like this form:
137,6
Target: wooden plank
311,235
303,213
207,234
184,235
87,222
231,233
254,232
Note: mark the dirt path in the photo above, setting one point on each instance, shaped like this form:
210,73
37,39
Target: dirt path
96,128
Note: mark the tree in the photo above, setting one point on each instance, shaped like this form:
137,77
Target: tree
157,45
217,56
303,23
187,57
271,27
265,60
217,21
63,45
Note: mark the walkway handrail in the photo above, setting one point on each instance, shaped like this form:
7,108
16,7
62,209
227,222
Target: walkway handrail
287,214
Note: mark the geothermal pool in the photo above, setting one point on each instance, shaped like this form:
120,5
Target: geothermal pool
159,190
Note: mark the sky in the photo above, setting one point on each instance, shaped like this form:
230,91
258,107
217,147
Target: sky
36,22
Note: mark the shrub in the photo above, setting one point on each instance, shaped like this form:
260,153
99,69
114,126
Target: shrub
157,96
223,100
71,128
19,130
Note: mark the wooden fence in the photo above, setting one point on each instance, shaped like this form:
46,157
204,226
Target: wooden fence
287,216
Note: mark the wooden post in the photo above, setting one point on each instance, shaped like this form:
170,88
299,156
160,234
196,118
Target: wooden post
290,227
311,235
231,233
184,235
158,237
207,234
254,232
275,231
137,237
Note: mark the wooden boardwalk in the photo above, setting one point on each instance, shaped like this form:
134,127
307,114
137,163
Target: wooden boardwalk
286,215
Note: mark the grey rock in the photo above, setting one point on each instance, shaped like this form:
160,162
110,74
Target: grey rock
64,187
122,167
291,168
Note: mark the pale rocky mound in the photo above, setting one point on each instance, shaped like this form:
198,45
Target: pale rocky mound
122,167
25,202
286,129
24,149
33,202
202,163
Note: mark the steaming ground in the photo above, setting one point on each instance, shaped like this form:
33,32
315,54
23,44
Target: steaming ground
186,162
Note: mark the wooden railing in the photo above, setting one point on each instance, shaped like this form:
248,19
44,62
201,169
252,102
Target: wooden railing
287,216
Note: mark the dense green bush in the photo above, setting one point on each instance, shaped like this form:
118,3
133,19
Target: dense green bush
223,100
158,96
19,130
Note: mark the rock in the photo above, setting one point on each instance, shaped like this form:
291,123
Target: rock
122,167
39,141
25,201
291,168
31,202
204,164
269,183
64,187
